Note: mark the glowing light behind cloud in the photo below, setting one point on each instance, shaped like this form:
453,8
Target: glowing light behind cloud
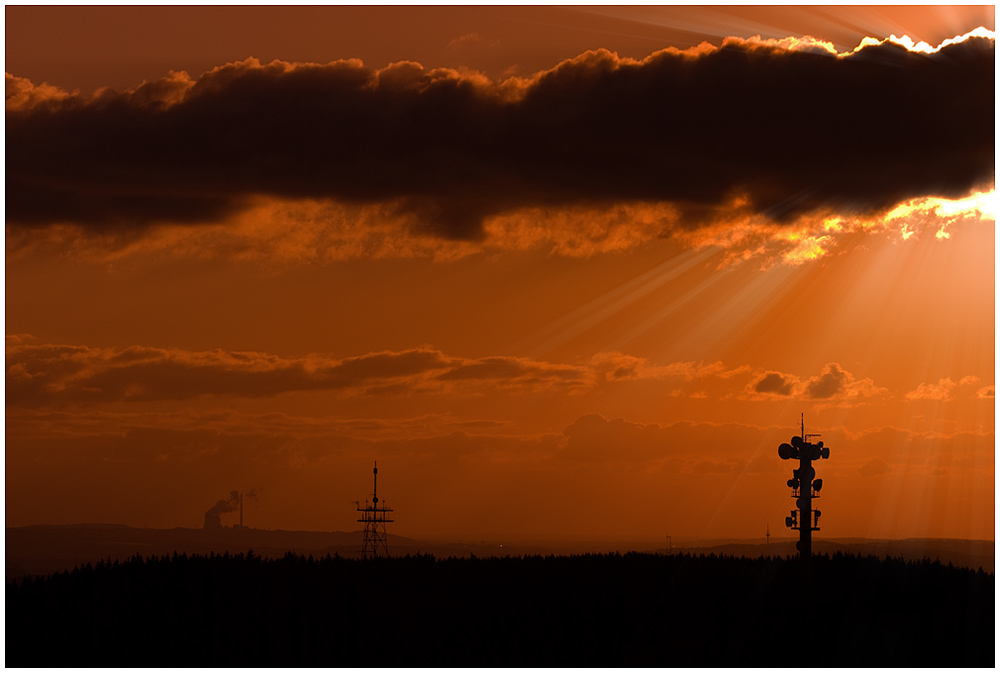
813,238
923,47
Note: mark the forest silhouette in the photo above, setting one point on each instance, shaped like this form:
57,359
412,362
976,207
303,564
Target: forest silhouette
589,610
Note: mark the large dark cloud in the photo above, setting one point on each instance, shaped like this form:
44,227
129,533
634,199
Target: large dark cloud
792,131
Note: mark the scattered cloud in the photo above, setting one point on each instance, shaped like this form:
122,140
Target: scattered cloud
616,366
471,40
832,384
43,375
836,383
512,372
17,339
52,374
945,389
942,390
56,374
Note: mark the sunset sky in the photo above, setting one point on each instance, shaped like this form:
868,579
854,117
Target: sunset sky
563,272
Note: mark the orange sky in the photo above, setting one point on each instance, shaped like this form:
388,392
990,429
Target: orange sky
538,336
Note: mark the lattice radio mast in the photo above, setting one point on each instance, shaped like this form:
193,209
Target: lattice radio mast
374,519
804,488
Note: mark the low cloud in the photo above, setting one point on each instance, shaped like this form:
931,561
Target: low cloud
59,374
43,375
614,366
54,374
946,390
774,383
833,384
942,390
513,372
444,152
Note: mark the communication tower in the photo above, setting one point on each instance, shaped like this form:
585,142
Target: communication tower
804,487
374,518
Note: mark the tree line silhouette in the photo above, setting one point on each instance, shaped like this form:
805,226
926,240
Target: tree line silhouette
590,610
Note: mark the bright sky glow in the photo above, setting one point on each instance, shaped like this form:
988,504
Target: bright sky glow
923,47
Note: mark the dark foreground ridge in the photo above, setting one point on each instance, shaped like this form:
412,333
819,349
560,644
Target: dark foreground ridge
591,610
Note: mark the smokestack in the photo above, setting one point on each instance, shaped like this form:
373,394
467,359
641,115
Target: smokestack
213,516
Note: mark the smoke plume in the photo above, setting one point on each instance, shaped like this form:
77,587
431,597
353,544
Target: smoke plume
213,516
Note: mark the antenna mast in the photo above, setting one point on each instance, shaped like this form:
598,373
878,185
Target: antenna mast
374,518
804,487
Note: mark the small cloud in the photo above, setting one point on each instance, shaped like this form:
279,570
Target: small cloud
615,367
470,40
988,392
831,383
942,390
18,339
618,366
834,382
874,467
774,383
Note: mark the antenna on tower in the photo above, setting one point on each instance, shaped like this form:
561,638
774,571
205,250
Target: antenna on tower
374,518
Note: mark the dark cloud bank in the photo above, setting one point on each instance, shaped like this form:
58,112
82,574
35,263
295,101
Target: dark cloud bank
59,374
793,132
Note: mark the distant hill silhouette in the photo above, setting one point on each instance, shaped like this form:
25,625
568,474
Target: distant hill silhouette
972,554
35,550
591,610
